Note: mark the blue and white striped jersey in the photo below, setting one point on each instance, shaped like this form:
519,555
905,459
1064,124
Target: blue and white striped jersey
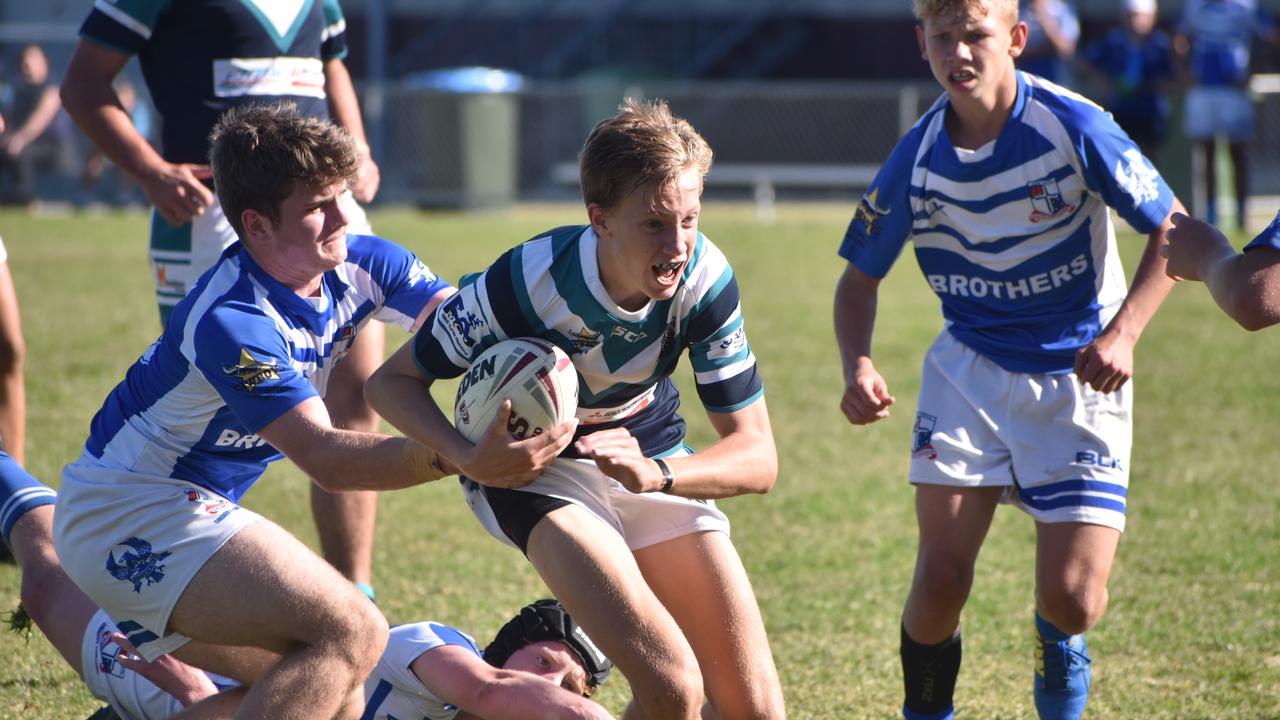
1270,237
393,691
239,351
1015,237
550,287
201,57
1222,33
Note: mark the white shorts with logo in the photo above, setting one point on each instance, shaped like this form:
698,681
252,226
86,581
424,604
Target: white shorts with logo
133,543
179,256
1060,448
131,695
1212,111
642,519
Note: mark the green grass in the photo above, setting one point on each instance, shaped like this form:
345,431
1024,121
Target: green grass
1193,630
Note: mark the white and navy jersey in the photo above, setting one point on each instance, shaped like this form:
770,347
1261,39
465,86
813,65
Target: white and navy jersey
550,287
238,352
1015,237
393,691
1222,33
201,57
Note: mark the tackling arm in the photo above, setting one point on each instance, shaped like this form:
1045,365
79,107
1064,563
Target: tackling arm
341,460
457,676
1245,285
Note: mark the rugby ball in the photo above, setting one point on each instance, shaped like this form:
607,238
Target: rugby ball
538,377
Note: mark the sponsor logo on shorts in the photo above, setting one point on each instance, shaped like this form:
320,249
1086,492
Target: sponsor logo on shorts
583,340
216,506
1046,201
463,326
922,437
251,371
1089,458
137,564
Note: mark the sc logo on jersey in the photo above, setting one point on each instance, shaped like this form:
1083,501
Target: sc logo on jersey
631,336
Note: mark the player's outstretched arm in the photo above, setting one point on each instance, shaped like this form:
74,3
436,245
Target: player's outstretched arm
341,460
1245,285
401,393
88,96
1106,364
456,675
866,396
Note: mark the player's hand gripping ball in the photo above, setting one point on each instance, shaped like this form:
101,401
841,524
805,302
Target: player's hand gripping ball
537,376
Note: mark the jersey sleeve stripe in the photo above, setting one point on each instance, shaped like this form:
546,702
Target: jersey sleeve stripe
508,297
731,395
723,371
123,18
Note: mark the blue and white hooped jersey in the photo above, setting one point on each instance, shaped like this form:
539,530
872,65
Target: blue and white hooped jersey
201,57
550,287
1268,238
393,691
1222,33
1015,237
238,352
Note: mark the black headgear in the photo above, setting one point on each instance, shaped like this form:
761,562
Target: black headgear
548,620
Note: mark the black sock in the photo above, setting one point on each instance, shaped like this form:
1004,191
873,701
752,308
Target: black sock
929,673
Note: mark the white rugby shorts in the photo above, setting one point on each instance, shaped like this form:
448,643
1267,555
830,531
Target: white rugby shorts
642,519
133,543
1212,111
179,256
1060,448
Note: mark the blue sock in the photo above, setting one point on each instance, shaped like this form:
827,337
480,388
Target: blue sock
19,493
367,589
1062,673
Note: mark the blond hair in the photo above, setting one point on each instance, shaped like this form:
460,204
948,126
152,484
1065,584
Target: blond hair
933,9
644,145
262,153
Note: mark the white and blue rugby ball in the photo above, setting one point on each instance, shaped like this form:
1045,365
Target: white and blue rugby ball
537,376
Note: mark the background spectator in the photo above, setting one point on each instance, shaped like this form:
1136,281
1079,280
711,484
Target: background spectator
1052,33
35,137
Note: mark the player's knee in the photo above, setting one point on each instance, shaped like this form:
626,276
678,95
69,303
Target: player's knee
1073,610
942,580
13,353
677,692
359,638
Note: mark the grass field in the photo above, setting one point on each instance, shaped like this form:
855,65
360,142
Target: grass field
1194,625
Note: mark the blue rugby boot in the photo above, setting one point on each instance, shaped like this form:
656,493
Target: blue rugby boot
1063,673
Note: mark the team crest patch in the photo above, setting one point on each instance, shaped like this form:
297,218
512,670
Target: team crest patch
137,563
108,651
1046,201
1136,177
465,328
344,339
583,340
251,371
922,437
868,212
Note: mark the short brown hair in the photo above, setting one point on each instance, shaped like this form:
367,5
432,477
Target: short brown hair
932,9
261,153
643,145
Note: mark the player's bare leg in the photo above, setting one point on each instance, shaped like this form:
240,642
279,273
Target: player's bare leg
50,597
345,522
701,581
1240,174
1073,564
264,588
952,524
13,394
593,573
1209,151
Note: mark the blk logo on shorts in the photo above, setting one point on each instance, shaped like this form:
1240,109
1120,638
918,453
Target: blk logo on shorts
136,564
922,436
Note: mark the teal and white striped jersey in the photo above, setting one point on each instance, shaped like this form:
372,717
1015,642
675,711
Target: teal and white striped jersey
550,288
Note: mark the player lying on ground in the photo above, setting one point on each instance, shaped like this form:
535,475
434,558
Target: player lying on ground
1246,285
147,518
622,527
428,670
1004,188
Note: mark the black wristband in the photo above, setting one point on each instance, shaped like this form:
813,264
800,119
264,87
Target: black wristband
667,478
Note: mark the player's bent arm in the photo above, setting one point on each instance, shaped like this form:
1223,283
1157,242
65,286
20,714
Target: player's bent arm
400,392
1247,287
457,676
341,460
90,99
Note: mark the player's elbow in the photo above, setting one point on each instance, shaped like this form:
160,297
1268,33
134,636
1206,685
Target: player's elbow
764,473
1250,312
